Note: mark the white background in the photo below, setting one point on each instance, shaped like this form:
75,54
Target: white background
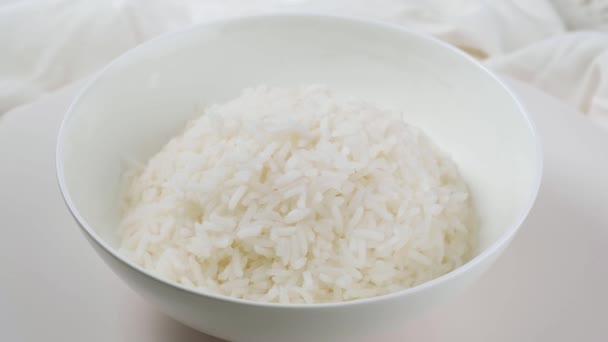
550,285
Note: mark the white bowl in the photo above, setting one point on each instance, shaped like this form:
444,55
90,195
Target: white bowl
146,96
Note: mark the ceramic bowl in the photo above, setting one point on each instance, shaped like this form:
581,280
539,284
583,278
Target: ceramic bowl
143,98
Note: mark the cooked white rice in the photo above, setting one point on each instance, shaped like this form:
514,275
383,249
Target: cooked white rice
299,196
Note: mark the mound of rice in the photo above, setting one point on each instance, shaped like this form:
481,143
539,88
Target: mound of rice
298,196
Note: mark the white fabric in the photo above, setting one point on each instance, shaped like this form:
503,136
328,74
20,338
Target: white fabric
572,67
47,44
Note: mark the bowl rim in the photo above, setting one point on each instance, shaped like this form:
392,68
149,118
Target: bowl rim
495,247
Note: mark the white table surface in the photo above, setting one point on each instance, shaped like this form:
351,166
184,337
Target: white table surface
550,285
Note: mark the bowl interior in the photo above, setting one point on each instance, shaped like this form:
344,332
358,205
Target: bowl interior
145,97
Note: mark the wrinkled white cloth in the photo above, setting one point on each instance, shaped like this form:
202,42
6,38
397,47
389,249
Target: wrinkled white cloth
48,44
572,67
